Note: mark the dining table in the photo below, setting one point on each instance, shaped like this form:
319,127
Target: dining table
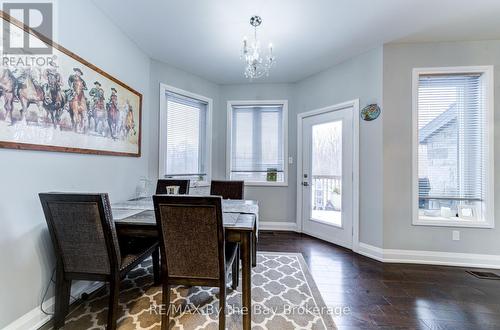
136,218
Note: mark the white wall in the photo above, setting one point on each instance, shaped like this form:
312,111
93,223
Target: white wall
25,246
399,60
359,77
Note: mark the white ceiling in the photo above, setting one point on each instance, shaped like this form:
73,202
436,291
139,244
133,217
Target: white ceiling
204,36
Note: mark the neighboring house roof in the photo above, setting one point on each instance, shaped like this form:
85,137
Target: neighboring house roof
435,125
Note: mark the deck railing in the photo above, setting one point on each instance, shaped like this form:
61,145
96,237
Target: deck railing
326,192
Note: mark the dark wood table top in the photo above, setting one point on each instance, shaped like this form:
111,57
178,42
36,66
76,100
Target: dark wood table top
234,221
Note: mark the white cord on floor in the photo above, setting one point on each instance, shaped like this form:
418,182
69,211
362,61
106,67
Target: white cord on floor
47,290
45,293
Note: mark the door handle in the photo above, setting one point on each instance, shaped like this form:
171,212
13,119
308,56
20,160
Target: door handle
305,184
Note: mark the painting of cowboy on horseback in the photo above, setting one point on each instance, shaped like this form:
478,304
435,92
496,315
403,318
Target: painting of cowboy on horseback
54,98
129,119
25,86
97,113
65,103
27,90
113,113
77,101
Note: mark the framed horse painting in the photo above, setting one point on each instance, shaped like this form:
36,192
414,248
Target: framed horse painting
60,102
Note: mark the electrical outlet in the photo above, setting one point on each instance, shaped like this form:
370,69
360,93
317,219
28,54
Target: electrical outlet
455,235
290,160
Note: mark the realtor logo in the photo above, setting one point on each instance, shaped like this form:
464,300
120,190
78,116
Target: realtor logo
37,16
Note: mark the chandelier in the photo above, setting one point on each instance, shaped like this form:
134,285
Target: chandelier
257,64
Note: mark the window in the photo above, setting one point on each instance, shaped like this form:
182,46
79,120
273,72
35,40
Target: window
257,142
453,147
184,135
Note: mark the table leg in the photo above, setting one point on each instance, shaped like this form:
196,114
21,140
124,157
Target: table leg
246,257
254,246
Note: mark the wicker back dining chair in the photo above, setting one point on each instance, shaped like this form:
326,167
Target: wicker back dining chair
87,248
161,186
193,247
227,189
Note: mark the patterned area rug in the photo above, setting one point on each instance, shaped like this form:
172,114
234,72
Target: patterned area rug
284,296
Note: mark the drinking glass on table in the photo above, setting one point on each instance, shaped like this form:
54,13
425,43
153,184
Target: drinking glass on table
172,190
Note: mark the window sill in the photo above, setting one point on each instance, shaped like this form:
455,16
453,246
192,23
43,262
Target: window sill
446,222
266,184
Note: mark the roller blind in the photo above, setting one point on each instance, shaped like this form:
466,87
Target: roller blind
257,142
451,135
186,136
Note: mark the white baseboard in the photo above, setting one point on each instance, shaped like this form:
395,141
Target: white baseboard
371,251
34,319
277,225
430,257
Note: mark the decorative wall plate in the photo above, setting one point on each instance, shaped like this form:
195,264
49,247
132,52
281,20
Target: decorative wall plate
370,112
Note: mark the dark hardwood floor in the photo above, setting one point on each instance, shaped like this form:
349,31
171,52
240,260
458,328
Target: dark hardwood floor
392,296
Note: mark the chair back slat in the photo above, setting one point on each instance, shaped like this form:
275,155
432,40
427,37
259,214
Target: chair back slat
82,231
191,236
227,189
161,186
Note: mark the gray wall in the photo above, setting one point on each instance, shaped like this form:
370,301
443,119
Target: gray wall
359,77
25,246
269,197
399,60
167,74
275,203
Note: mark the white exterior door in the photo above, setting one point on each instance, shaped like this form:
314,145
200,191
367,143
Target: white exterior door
327,176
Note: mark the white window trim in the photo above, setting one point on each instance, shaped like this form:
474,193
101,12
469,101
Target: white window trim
489,217
162,144
284,104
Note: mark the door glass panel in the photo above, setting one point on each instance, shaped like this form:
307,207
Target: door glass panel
326,192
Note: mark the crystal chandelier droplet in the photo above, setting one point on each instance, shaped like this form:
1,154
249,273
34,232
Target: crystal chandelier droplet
256,64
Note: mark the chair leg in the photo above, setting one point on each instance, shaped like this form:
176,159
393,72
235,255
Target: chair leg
165,310
156,266
222,305
63,288
235,272
114,295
